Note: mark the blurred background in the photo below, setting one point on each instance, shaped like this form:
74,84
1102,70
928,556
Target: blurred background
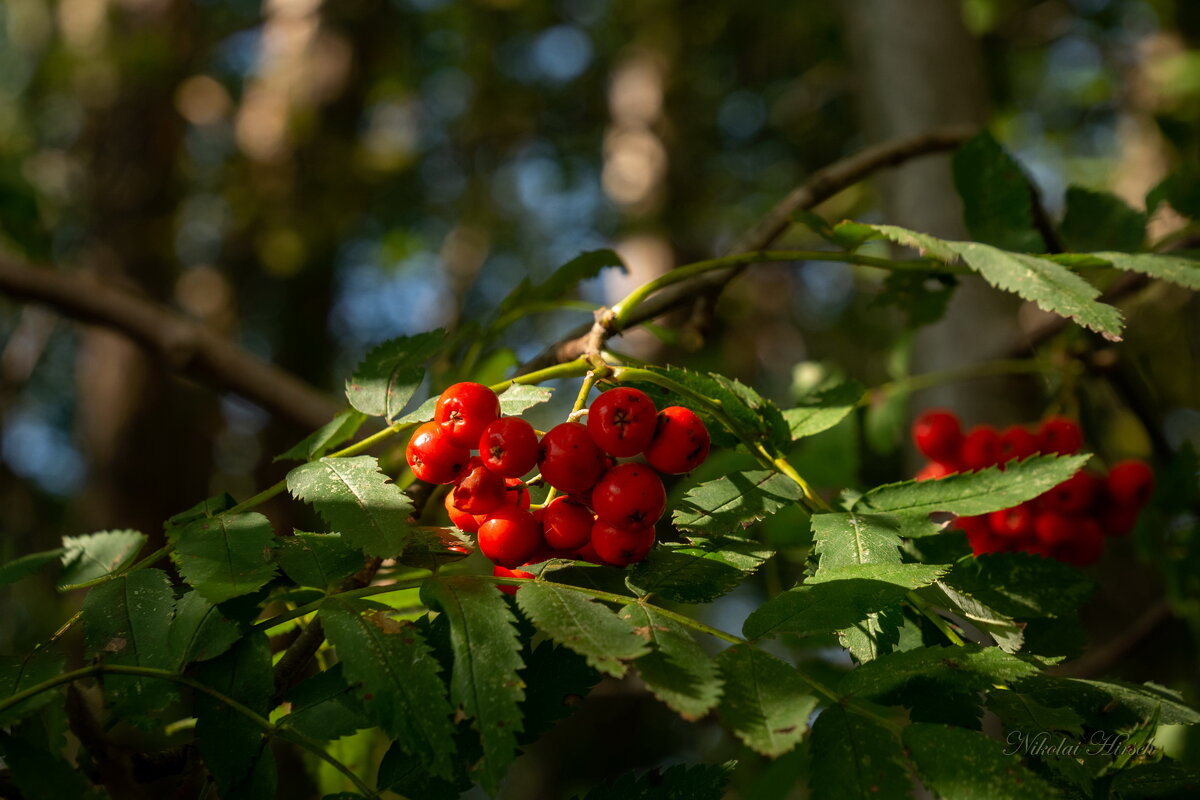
310,178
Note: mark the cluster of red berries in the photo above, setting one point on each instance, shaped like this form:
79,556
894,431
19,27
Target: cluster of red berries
1070,521
607,510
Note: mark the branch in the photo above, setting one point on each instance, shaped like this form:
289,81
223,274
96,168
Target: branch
182,344
822,185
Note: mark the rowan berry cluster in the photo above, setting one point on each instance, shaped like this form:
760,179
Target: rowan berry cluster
1070,521
607,510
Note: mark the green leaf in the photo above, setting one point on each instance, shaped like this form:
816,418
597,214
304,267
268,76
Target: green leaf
96,555
317,559
854,757
753,417
1022,585
875,636
401,687
556,680
42,775
583,625
680,782
234,748
1170,268
1091,697
1008,633
357,500
849,538
699,571
127,621
422,413
387,377
226,556
923,297
958,763
1101,221
26,565
1156,780
485,683
409,776
1022,712
766,703
18,673
582,267
822,410
338,430
324,706
209,507
732,502
996,196
199,631
519,398
1181,189
973,493
969,666
906,576
678,671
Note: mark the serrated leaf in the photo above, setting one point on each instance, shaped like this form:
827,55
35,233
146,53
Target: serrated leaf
969,666
769,416
699,571
1102,697
732,502
1100,221
226,556
97,554
584,266
519,398
680,782
324,706
753,422
850,538
235,750
854,757
766,703
1156,780
996,196
317,559
199,631
1022,585
1007,632
387,377
422,413
583,625
357,500
18,673
409,776
1022,712
822,410
972,493
979,767
401,687
26,565
485,680
906,576
209,507
556,681
1170,268
678,671
338,430
127,621
875,636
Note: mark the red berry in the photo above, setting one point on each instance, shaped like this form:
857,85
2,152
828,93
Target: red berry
464,410
509,536
622,421
467,523
566,524
1017,444
588,553
631,495
981,448
1013,522
1053,529
981,538
933,471
503,572
938,435
516,493
680,442
569,459
1075,495
480,491
433,457
619,547
1059,435
1119,520
509,447
1130,483
1084,547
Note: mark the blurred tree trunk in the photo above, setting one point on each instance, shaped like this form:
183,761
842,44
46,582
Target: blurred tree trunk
919,67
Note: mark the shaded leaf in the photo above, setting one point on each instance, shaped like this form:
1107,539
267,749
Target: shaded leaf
1090,697
1171,268
1181,189
1022,712
875,636
42,775
387,377
225,556
317,559
199,631
26,565
357,500
1022,585
996,196
699,571
324,706
583,625
822,410
855,757
1158,780
754,417
209,507
97,554
732,502
1008,633
18,673
678,671
409,775
1100,221
584,266
556,681
333,433
969,666
766,703
979,767
680,782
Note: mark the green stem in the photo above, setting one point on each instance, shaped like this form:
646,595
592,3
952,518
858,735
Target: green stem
350,594
920,605
568,369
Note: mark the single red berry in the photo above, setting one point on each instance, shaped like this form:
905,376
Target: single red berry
1130,483
464,410
509,447
1119,520
1052,528
467,523
1075,495
981,448
503,572
1084,547
933,471
569,459
1013,522
938,435
588,553
631,495
620,547
566,524
1016,444
480,491
509,536
1059,435
621,421
680,442
516,493
433,457
983,541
